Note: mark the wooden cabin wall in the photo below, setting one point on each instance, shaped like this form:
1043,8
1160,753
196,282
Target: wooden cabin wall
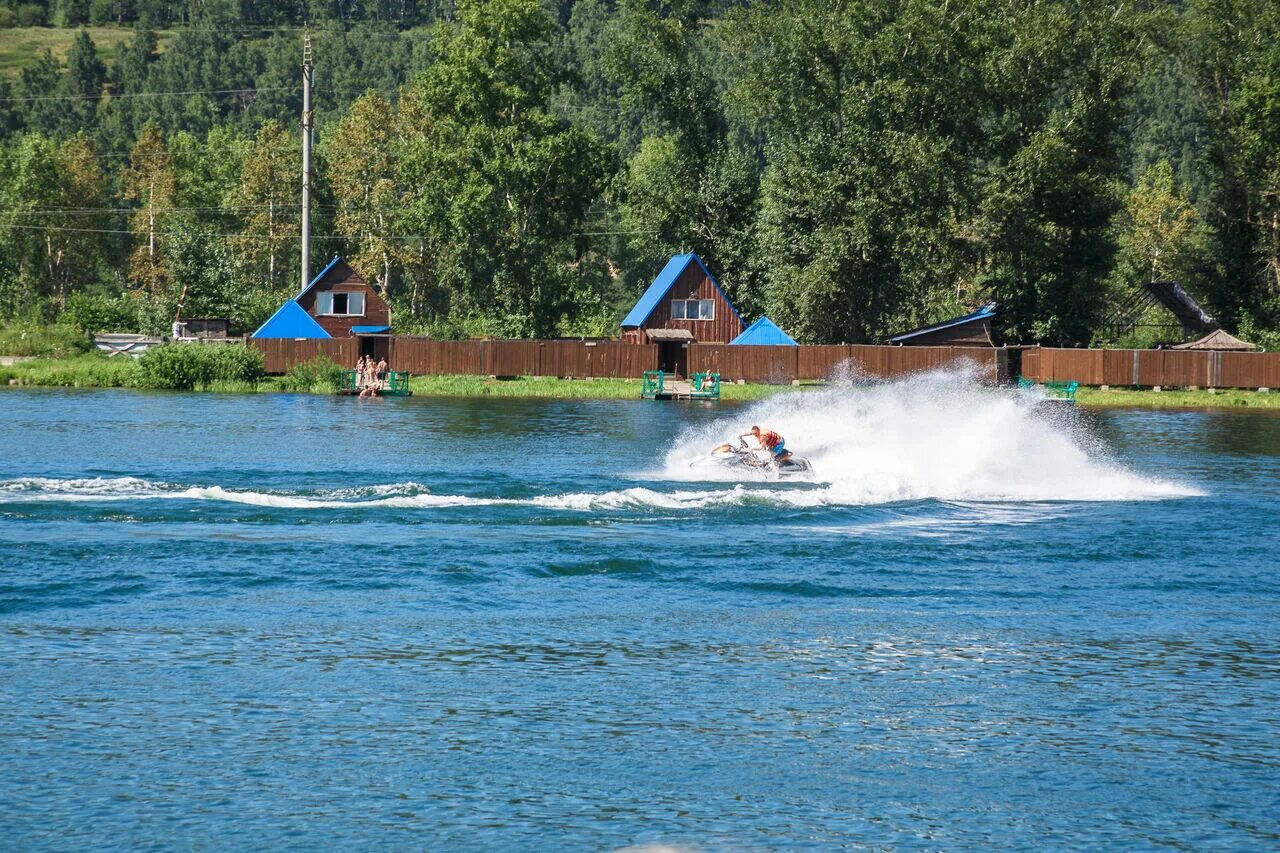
343,279
693,283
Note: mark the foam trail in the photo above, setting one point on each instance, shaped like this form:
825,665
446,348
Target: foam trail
937,435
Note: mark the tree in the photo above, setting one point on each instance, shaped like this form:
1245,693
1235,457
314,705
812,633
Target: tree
360,163
497,186
1233,50
266,201
149,180
86,75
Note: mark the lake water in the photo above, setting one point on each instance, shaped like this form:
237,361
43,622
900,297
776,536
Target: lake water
255,622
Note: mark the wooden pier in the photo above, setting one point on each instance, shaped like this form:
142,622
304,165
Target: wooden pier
667,386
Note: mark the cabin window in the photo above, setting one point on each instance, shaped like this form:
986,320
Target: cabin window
693,309
340,304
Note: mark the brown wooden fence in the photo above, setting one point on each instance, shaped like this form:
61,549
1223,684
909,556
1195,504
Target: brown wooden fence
1148,368
783,364
578,359
280,354
614,359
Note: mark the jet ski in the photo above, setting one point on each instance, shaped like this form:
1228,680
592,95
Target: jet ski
759,459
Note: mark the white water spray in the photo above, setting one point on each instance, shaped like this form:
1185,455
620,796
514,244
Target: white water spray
936,435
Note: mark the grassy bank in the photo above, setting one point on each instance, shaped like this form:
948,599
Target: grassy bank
532,386
1228,399
97,371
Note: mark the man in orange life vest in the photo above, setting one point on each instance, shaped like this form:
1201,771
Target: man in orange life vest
770,441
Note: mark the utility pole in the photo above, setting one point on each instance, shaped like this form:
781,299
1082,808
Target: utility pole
307,76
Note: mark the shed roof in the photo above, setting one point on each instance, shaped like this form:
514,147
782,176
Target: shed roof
1219,340
291,321
764,332
662,286
670,334
986,312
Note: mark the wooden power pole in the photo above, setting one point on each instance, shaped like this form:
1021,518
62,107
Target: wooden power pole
307,76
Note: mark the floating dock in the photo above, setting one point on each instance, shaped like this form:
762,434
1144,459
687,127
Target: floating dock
664,386
395,385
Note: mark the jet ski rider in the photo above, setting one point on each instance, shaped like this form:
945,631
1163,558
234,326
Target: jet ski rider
770,441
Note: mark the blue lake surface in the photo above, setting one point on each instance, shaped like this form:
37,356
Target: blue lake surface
285,621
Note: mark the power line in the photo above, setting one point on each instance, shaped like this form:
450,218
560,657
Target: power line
242,235
147,94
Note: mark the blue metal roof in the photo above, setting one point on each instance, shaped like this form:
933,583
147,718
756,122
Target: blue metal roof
662,285
764,332
369,330
330,266
291,321
985,312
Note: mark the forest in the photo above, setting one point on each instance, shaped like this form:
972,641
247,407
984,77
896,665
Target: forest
517,168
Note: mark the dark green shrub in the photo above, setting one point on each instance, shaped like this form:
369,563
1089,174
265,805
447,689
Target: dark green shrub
7,18
187,366
98,312
31,15
320,375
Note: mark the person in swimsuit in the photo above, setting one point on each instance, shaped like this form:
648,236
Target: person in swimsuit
770,441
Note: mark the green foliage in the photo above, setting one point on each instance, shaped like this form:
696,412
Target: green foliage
514,168
91,312
94,370
188,366
41,340
318,376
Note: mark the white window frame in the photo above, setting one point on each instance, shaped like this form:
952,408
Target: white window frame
694,305
325,300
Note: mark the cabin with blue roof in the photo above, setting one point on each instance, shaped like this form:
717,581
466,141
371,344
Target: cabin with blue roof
684,304
338,303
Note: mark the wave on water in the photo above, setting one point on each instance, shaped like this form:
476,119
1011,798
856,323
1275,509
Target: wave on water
937,435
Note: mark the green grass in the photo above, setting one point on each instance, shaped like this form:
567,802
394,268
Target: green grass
84,371
528,386
19,46
1227,399
95,370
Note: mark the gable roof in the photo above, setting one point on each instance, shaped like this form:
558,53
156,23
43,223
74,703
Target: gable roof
986,312
764,332
291,321
333,263
662,286
1218,340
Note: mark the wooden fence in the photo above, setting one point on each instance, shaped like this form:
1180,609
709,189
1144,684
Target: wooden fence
1148,368
281,354
613,359
783,364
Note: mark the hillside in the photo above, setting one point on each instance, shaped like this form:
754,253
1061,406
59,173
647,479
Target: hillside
21,45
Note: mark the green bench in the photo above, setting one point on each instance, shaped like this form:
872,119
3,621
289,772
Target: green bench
1063,391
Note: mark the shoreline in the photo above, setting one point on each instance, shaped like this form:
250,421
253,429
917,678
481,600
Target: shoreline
91,371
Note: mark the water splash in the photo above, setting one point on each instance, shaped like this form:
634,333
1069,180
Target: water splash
936,435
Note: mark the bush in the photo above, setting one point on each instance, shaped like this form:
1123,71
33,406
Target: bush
39,340
8,19
187,366
97,312
319,376
31,15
